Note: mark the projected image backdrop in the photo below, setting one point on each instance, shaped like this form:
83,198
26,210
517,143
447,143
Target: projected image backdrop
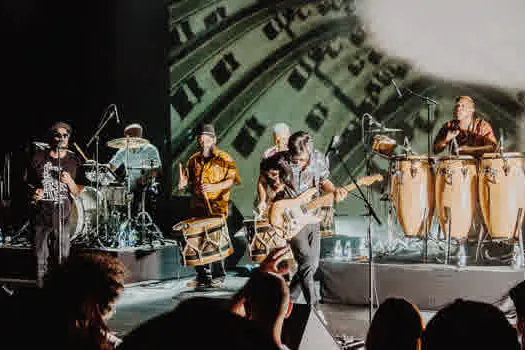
245,65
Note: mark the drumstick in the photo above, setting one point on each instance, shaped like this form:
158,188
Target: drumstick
208,203
80,151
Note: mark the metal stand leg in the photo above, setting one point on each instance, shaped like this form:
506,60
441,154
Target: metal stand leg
449,229
481,238
517,258
462,256
425,238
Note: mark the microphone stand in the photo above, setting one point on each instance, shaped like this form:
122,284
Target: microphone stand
370,213
59,203
430,103
96,138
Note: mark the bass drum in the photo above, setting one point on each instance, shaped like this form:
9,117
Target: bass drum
83,217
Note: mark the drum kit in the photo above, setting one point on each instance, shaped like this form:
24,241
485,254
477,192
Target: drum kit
108,201
473,198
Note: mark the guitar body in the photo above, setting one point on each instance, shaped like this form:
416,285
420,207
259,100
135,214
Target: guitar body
288,216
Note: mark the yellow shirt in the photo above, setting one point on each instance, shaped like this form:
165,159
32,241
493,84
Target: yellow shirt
220,167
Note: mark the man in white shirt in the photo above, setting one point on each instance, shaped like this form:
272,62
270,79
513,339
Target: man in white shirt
141,159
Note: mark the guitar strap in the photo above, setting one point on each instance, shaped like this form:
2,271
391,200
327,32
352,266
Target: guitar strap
317,175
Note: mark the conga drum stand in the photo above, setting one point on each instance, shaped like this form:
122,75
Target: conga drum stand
461,243
517,260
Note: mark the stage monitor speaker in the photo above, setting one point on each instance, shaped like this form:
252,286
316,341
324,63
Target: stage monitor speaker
304,330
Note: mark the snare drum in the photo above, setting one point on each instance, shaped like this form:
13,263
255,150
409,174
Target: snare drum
263,239
203,240
502,193
115,195
456,194
412,192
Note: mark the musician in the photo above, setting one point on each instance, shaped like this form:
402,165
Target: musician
43,175
212,172
281,134
305,168
140,158
473,134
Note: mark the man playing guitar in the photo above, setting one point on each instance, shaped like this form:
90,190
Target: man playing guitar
303,168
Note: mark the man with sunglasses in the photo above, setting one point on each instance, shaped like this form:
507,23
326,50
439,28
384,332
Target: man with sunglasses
50,184
303,168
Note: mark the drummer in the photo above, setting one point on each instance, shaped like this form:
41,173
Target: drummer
142,157
212,172
473,134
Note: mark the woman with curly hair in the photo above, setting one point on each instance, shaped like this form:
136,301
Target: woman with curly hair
79,297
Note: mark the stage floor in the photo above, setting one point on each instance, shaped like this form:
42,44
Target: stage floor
142,301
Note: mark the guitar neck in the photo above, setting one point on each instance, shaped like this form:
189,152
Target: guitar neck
327,199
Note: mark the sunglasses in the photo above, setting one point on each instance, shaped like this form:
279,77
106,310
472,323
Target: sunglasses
59,135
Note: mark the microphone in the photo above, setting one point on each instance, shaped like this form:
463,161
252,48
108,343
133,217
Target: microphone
399,94
116,114
334,144
373,121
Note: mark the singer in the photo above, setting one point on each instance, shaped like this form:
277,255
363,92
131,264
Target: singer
473,134
49,185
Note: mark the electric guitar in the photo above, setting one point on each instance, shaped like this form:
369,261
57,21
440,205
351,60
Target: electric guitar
289,216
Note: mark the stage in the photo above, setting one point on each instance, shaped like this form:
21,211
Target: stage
429,286
143,263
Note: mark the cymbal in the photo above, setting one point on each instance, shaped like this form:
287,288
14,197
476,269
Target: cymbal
384,130
127,142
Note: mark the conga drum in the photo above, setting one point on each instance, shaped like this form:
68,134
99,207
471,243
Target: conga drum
502,193
456,194
412,192
203,240
262,239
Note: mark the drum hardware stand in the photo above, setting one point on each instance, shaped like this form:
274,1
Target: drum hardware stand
145,229
481,238
96,138
518,258
425,238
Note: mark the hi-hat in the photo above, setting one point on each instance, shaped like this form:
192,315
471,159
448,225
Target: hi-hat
127,142
384,130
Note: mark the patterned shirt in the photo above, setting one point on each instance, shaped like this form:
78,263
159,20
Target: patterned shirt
299,180
479,133
43,172
220,167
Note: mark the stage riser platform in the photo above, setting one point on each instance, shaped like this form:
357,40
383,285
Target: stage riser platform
429,286
17,265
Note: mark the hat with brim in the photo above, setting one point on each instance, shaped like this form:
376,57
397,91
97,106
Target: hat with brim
206,129
62,125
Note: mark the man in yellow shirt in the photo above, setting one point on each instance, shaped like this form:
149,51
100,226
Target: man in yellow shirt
212,172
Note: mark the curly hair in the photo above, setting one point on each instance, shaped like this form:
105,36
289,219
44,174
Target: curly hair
84,288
